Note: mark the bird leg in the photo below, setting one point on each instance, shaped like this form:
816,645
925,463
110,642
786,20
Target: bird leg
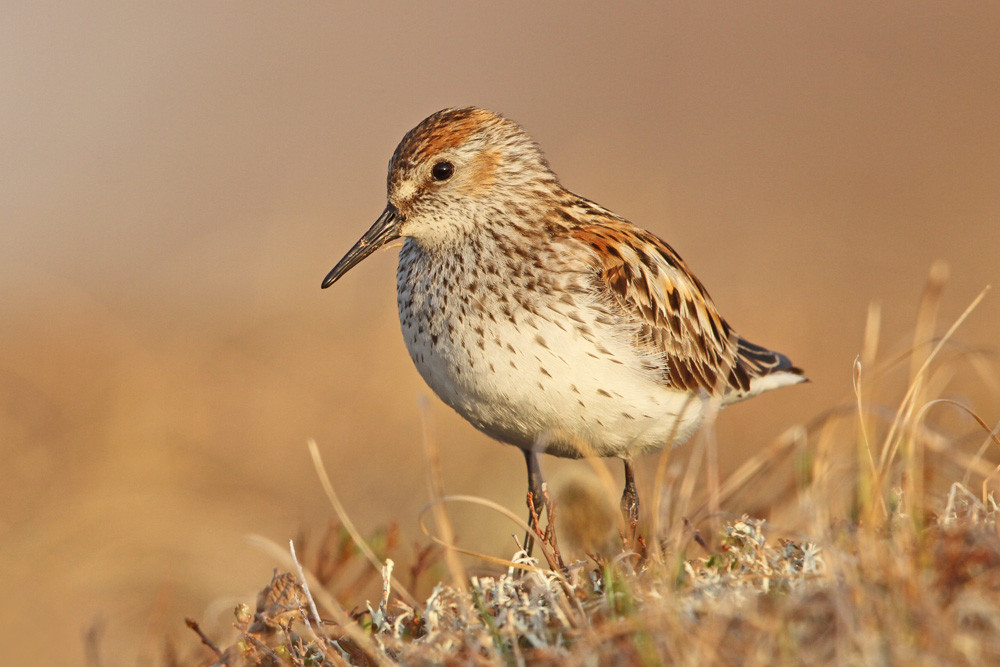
630,498
536,498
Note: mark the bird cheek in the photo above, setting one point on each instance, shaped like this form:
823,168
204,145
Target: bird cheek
413,221
477,182
473,189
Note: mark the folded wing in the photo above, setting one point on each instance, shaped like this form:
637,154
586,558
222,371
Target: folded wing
676,321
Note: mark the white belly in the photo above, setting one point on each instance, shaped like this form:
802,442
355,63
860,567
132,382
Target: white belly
540,378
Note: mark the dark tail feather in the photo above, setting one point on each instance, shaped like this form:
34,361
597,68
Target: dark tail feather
760,361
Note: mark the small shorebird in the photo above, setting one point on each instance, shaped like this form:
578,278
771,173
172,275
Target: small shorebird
547,321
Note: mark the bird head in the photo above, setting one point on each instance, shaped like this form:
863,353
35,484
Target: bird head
448,175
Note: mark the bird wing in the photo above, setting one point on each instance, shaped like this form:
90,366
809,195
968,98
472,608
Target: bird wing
650,286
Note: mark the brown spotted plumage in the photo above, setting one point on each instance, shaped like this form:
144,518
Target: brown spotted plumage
545,320
652,285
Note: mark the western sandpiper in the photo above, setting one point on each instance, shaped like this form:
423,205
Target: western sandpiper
547,321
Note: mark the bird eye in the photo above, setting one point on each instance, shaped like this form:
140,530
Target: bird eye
442,171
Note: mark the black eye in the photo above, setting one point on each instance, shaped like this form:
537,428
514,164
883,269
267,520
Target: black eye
442,171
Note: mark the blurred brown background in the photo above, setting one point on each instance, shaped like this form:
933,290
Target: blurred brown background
176,181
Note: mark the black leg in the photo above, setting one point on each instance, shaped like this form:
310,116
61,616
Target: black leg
536,500
630,497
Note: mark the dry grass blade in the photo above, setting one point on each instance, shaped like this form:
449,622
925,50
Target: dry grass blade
658,483
436,489
927,315
345,520
682,500
868,474
756,465
305,587
906,407
483,502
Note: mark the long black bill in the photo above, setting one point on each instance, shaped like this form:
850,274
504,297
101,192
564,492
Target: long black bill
385,229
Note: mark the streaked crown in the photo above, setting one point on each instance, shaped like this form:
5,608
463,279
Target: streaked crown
461,159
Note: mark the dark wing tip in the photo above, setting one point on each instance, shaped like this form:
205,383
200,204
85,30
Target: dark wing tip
762,361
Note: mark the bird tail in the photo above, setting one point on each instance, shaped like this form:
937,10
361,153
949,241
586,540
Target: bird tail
767,369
